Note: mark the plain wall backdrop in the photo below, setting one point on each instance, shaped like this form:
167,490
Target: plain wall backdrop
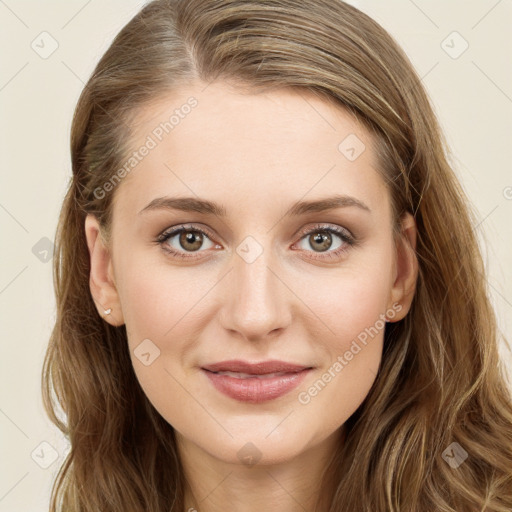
461,49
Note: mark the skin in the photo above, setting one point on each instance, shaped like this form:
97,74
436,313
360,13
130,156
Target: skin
256,154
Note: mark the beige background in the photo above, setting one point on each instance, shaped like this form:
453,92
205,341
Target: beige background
472,95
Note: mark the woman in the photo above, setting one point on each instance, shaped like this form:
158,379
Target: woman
207,353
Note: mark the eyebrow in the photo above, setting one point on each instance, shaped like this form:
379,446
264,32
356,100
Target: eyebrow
193,204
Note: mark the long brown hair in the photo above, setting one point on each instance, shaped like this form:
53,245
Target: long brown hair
441,381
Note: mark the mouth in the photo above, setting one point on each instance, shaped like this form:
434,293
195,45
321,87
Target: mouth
255,382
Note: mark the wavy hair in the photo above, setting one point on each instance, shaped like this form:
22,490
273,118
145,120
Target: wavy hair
441,380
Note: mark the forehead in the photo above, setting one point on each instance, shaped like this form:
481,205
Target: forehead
246,148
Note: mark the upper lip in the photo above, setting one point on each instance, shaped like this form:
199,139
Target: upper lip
261,368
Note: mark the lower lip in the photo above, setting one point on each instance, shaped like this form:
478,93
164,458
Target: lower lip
256,390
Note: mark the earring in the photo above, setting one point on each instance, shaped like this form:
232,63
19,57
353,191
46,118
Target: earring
108,311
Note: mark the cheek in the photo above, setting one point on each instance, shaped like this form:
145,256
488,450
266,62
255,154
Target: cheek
352,306
156,297
353,298
158,308
165,305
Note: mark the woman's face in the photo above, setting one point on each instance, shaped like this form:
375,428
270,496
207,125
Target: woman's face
272,273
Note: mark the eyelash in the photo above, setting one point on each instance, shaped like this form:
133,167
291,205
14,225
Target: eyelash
348,240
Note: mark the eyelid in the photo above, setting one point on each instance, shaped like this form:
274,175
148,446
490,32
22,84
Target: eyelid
168,232
339,230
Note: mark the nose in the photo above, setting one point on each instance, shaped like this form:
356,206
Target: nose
257,303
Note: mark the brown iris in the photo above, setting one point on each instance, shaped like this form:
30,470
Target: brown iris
323,238
194,238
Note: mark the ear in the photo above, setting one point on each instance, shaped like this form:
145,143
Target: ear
406,273
101,279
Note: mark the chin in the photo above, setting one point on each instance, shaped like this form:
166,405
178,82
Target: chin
262,445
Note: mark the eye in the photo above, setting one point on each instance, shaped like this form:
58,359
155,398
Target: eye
186,238
183,240
320,238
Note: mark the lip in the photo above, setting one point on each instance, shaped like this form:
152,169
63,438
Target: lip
260,368
258,384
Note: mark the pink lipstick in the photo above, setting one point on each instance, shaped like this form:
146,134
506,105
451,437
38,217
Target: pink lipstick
255,382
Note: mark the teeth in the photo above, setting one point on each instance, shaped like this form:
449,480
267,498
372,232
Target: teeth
240,375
